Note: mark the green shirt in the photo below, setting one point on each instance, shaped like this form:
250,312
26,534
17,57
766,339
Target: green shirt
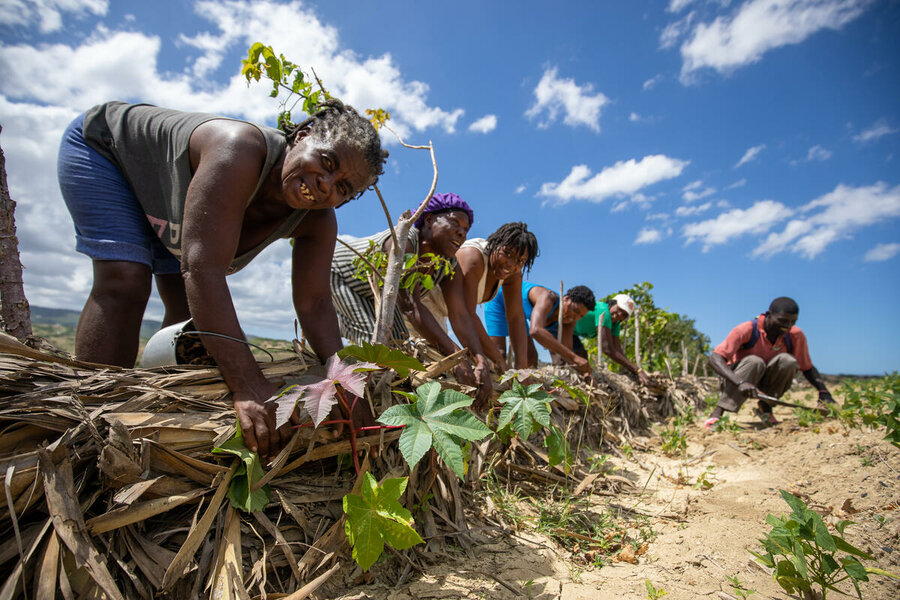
586,326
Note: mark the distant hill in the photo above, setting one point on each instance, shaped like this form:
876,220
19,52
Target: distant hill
41,315
57,326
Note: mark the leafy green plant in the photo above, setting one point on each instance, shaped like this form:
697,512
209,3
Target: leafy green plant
706,479
285,76
375,517
240,490
383,356
804,553
626,449
673,440
435,419
653,592
807,417
872,403
525,409
418,270
726,424
739,589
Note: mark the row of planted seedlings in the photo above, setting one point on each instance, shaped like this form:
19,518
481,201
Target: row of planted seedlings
113,483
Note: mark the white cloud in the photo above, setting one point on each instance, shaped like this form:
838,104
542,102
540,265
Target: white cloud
754,28
686,211
690,195
120,64
124,64
818,153
882,252
621,179
737,184
47,14
579,102
735,223
831,217
520,189
750,155
675,31
879,128
678,5
648,235
634,117
485,124
651,83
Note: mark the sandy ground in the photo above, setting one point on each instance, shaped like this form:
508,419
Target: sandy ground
701,533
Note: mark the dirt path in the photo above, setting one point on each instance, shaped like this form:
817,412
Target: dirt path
701,532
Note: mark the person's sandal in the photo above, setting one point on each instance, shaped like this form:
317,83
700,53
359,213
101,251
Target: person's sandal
767,418
710,423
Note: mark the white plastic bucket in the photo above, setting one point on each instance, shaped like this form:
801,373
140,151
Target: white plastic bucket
160,348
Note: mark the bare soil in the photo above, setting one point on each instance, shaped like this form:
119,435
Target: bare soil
701,532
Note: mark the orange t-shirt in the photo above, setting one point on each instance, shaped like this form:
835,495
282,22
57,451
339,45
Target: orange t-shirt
731,350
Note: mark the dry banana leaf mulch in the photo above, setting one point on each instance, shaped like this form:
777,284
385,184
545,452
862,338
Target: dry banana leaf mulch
111,489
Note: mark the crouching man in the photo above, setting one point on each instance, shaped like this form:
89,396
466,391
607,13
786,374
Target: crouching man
762,356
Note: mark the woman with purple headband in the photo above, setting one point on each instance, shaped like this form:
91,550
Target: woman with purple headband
441,230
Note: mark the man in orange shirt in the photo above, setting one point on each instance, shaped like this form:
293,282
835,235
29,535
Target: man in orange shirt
762,356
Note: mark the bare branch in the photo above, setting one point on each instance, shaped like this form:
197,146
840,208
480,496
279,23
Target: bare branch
387,214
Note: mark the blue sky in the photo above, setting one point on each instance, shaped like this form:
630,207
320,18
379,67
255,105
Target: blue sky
727,151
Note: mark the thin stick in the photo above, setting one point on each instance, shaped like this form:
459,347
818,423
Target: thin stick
560,315
600,342
637,337
387,215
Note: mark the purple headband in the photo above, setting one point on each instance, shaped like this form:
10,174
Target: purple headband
441,202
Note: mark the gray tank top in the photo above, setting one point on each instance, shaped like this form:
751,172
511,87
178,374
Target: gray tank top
150,146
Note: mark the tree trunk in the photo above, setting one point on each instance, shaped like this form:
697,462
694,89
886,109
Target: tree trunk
14,309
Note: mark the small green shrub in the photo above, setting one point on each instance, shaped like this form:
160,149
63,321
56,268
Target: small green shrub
804,553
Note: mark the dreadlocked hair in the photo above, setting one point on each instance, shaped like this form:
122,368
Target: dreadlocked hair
517,238
582,295
336,123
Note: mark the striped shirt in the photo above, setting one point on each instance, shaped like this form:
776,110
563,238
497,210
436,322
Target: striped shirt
354,300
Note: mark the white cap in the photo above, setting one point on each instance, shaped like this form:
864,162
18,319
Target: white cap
624,302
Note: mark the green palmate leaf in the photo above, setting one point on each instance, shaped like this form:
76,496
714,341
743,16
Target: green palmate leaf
375,517
249,472
383,356
526,408
435,420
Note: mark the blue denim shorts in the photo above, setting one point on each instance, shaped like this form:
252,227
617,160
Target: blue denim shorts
109,221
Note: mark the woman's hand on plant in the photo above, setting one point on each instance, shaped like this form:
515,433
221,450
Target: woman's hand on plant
485,386
464,374
257,419
582,365
644,378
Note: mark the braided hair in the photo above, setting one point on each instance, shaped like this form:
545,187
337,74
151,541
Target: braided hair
516,237
336,123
